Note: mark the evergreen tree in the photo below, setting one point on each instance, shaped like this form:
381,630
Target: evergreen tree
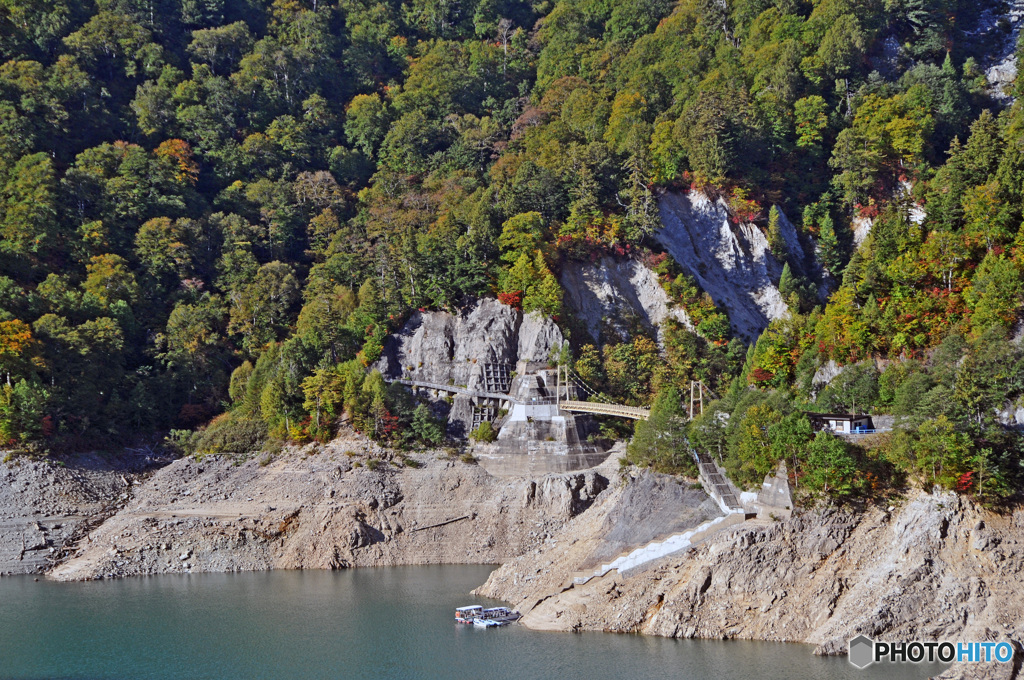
426,427
829,249
829,467
776,242
660,441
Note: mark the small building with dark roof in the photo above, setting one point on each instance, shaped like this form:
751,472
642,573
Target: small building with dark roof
841,423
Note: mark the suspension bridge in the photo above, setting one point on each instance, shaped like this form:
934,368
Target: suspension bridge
568,387
598,405
567,378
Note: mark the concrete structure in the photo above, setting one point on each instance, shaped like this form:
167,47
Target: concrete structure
717,484
774,500
537,436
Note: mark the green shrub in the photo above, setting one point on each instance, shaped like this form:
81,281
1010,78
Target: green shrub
229,433
484,432
182,442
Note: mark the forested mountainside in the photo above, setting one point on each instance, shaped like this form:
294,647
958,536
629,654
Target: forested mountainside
215,207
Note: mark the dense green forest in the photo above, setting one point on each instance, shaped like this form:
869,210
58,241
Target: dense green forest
218,210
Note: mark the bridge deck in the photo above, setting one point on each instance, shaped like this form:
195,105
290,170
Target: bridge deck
714,479
634,412
620,410
454,389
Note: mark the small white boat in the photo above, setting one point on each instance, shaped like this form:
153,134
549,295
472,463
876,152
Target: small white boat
468,614
486,618
487,623
500,614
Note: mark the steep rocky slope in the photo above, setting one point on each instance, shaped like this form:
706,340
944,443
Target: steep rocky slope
46,503
617,293
934,567
731,262
453,349
1002,63
930,566
441,347
326,510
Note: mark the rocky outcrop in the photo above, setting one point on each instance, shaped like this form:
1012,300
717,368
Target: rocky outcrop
454,349
1001,68
441,347
825,374
46,504
935,567
325,510
731,263
932,566
613,294
861,228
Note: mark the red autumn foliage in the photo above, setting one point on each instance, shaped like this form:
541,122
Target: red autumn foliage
869,211
192,415
388,424
512,299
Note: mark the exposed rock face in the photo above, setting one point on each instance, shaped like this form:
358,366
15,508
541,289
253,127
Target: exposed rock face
1002,68
44,505
617,292
732,264
438,346
793,245
825,374
538,337
321,511
861,227
937,567
441,347
452,349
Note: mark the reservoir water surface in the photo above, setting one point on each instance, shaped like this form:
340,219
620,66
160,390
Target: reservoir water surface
384,623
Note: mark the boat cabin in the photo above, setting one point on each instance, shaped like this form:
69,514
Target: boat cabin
841,423
467,614
498,613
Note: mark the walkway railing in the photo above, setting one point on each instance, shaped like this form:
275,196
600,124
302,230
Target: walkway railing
633,412
841,433
455,389
600,408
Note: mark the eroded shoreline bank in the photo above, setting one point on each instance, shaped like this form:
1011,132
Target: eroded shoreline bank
931,566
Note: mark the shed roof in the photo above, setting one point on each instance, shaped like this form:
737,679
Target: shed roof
837,416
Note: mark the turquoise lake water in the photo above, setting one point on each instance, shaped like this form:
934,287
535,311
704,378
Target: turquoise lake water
363,623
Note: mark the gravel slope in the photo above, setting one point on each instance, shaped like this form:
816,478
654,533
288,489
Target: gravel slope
935,567
327,510
46,503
